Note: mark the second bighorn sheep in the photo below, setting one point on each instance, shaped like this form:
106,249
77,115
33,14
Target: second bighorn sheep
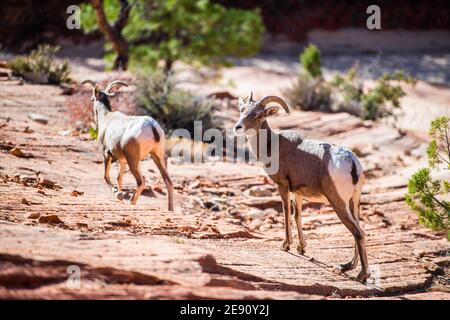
309,169
128,139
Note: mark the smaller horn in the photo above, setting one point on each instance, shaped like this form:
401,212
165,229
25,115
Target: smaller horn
114,84
250,98
263,102
89,81
95,88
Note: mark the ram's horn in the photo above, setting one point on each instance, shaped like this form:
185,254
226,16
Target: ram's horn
114,84
95,88
89,81
263,102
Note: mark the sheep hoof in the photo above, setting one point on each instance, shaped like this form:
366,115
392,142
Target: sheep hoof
344,267
301,249
341,267
362,276
119,195
285,246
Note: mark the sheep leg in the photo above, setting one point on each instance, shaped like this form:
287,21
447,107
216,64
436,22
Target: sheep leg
298,221
355,203
285,197
162,167
122,167
133,163
347,218
107,159
354,209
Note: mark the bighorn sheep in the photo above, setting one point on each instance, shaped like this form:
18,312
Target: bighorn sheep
128,139
310,169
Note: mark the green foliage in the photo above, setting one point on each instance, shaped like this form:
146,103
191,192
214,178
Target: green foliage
93,133
40,66
377,102
310,60
88,19
428,196
345,84
439,148
194,31
423,197
310,91
172,107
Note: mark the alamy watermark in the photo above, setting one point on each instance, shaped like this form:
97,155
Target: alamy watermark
227,146
374,276
74,280
73,22
373,22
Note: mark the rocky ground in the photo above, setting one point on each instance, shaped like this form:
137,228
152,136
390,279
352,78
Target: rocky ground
222,241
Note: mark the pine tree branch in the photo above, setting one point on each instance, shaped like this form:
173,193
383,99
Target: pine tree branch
443,159
439,202
114,35
154,37
123,16
447,140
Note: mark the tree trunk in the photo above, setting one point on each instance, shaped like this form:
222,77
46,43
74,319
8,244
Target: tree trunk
114,33
121,61
168,66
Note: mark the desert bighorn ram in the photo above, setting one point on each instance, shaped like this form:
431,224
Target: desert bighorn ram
310,169
128,139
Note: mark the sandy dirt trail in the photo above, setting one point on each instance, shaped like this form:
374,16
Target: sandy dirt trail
223,240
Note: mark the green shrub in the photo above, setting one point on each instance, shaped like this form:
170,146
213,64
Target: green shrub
40,66
308,93
93,133
172,107
375,103
346,85
439,148
427,196
344,92
310,60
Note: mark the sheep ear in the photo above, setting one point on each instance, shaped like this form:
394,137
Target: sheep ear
271,111
96,92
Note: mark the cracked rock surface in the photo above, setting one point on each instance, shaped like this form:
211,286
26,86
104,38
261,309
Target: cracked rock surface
223,240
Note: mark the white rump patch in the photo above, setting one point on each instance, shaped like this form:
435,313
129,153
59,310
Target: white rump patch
340,168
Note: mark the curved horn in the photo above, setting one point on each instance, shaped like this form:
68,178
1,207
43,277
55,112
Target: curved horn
95,88
113,84
89,81
263,102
